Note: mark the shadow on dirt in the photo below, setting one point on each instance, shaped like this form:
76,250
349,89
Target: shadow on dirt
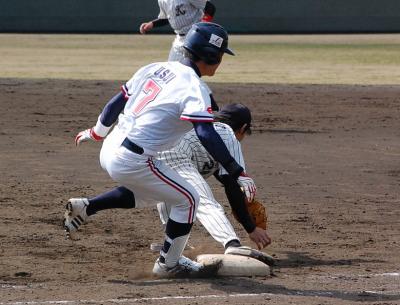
301,259
250,286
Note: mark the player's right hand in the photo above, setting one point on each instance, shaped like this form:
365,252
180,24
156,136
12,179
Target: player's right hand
260,238
87,135
145,27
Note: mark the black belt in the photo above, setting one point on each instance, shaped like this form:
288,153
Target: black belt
182,35
128,144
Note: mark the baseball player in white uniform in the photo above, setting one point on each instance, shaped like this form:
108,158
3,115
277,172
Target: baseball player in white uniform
155,108
181,15
192,161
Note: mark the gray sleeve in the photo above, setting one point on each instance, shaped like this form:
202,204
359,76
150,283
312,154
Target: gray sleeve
200,4
163,13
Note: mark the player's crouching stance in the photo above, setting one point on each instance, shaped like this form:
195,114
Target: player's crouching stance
157,106
191,160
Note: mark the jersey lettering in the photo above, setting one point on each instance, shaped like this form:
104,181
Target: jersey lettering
165,74
207,166
151,89
179,10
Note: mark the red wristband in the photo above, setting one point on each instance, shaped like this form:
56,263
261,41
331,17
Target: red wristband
207,18
95,136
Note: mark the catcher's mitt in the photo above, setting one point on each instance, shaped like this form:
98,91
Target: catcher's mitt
258,212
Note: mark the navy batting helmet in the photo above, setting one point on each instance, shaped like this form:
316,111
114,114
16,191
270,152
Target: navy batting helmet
207,41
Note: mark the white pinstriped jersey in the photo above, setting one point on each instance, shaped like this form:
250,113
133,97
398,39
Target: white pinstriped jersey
162,101
190,152
181,14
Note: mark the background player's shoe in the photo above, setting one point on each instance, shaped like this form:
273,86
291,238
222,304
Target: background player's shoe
247,251
75,214
156,247
185,268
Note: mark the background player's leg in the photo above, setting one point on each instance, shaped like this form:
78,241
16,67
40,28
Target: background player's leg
176,53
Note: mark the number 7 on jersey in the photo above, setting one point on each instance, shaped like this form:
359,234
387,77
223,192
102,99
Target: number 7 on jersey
151,89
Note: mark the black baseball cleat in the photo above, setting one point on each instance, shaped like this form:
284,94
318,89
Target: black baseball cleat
249,252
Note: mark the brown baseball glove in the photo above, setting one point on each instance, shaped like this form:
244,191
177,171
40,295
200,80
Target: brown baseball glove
258,212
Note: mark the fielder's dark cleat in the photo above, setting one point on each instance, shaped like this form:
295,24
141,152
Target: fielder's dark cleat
209,270
249,252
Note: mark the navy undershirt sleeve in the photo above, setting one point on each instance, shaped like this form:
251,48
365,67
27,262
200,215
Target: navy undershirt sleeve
112,109
213,143
160,22
214,105
236,200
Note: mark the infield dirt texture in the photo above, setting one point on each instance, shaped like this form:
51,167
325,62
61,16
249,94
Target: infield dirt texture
326,160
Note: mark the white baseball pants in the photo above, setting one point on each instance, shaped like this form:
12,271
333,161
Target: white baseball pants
209,212
150,180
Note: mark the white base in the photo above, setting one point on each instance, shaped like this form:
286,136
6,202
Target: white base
236,265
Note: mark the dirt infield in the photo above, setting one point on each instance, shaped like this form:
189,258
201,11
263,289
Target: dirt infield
325,159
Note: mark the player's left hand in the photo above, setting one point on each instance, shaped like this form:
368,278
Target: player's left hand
248,186
260,238
87,135
145,27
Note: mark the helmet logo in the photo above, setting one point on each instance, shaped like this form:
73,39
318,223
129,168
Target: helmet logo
216,40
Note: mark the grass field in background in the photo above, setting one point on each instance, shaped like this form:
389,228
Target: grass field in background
302,59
